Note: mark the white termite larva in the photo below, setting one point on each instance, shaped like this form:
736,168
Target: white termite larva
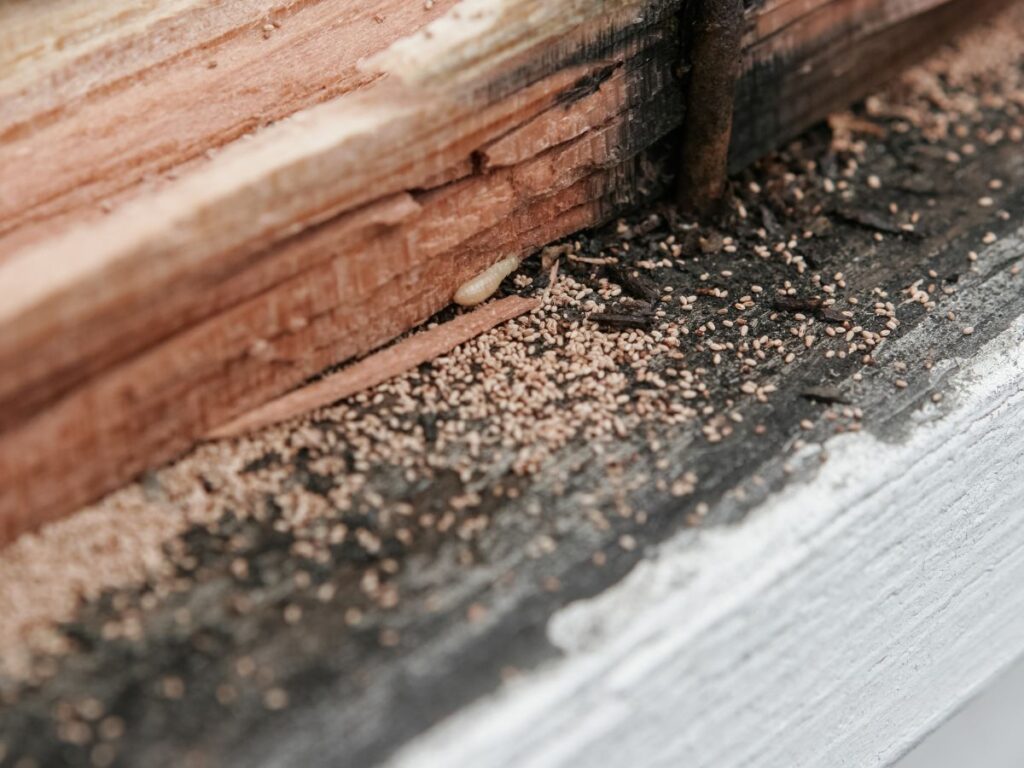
481,287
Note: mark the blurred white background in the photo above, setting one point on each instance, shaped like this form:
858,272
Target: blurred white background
987,733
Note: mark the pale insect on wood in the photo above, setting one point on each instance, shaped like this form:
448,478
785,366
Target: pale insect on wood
483,286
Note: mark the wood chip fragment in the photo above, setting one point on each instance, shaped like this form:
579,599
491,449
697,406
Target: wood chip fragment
830,315
634,283
827,395
617,320
872,221
794,304
379,367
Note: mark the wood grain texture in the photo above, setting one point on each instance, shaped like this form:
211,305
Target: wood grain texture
805,59
377,368
126,97
260,287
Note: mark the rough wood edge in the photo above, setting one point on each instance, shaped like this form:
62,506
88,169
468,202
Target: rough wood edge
379,367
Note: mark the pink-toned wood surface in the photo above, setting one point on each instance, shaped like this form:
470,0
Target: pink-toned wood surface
249,305
146,116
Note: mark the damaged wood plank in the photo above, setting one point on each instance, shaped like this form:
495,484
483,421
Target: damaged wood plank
496,130
804,60
99,98
259,287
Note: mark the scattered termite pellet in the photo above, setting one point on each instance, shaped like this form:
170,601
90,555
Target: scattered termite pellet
275,699
226,694
172,687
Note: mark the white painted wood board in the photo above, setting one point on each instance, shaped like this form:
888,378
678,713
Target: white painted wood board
839,623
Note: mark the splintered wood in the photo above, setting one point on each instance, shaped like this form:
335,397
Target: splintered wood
170,260
71,78
318,239
379,367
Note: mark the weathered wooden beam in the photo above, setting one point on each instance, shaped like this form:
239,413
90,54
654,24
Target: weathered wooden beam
98,98
315,241
501,127
803,60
